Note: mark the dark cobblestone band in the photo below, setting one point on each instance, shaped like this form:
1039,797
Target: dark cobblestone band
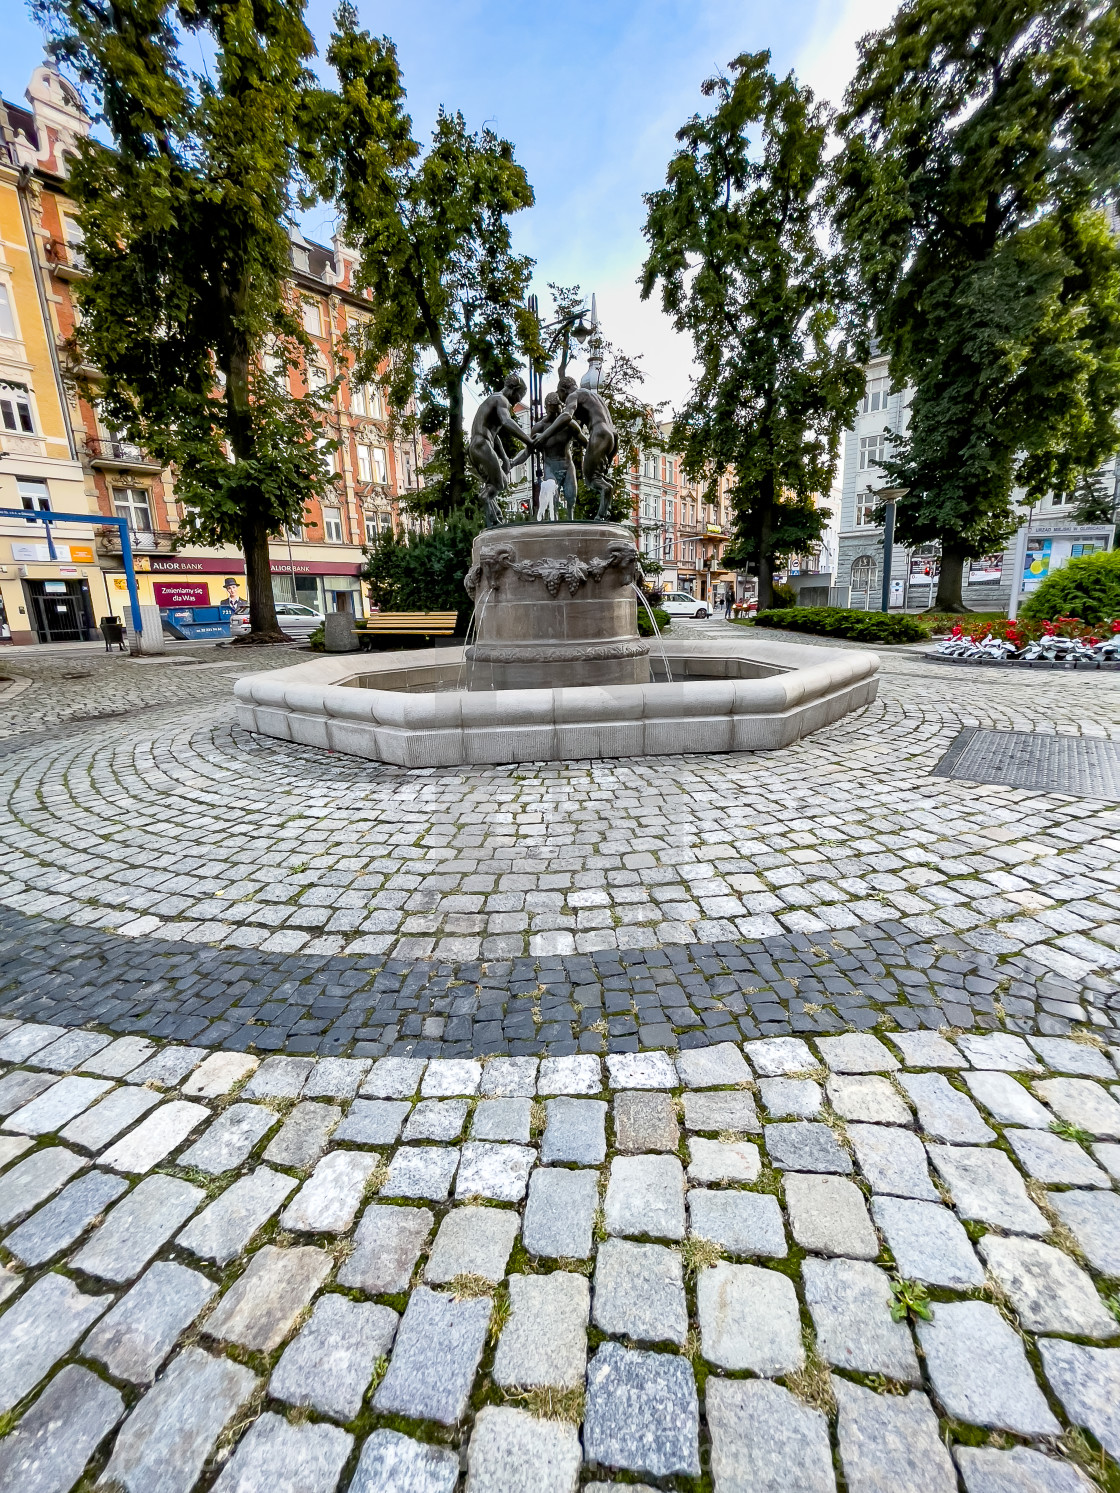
613,1001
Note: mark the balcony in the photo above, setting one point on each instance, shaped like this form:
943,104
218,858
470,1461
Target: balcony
67,261
109,454
143,542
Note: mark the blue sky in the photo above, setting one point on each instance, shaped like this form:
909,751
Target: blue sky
591,95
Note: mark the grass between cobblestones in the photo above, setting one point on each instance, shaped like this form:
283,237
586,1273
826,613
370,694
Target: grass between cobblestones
1083,1122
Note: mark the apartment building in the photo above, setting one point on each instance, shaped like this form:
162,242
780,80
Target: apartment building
677,526
93,469
51,589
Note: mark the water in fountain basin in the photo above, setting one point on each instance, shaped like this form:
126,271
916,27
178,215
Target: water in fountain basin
640,594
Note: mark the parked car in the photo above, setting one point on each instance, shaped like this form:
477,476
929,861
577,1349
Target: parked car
296,620
680,604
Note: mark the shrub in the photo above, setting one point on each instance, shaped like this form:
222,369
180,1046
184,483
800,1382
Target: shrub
841,622
645,630
784,596
1087,587
424,572
315,640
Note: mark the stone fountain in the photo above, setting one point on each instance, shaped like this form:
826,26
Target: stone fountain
555,604
556,669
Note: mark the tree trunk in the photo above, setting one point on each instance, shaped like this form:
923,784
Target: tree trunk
765,536
456,446
951,578
263,626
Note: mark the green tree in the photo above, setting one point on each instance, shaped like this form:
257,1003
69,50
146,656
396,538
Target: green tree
183,219
424,572
736,241
448,292
980,137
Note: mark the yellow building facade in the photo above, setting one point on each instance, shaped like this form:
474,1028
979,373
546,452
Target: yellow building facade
42,599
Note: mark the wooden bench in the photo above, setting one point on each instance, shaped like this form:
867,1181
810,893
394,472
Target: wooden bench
404,624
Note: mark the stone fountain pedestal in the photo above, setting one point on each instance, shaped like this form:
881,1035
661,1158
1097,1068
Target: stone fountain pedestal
554,606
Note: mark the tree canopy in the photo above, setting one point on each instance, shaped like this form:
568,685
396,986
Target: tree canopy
981,137
183,215
736,242
431,225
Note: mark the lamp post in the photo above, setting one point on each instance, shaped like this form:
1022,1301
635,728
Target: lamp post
565,327
889,496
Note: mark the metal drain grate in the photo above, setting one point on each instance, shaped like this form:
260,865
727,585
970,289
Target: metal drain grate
1084,766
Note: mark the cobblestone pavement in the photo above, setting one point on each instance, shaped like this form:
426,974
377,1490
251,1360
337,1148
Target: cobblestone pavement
796,1266
165,872
744,1124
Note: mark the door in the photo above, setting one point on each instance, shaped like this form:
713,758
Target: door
58,611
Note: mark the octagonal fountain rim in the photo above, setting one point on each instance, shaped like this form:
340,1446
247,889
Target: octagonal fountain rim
733,695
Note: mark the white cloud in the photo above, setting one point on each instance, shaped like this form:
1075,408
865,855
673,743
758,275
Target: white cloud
828,59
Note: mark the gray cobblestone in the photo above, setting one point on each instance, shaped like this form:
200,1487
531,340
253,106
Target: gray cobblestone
139,1225
133,1340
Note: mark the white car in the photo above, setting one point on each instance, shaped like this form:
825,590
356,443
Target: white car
296,620
680,604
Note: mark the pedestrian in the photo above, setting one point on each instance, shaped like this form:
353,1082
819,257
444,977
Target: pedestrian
728,603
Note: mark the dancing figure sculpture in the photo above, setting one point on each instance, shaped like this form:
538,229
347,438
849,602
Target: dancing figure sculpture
584,408
556,450
489,456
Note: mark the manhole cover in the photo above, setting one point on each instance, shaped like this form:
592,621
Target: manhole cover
1080,765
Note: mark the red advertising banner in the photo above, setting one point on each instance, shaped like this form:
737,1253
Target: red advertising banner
181,593
188,565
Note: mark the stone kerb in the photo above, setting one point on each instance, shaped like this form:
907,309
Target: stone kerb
801,690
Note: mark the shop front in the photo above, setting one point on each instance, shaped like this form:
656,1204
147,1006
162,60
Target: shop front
179,584
45,599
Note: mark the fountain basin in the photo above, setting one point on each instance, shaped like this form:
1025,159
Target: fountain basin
733,695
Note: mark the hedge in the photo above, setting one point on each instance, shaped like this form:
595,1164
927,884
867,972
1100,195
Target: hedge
842,622
645,629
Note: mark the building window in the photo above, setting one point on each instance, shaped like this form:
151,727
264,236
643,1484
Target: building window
863,575
274,365
872,449
312,319
365,465
865,509
33,494
131,503
316,378
365,402
1060,499
293,534
878,392
15,408
380,467
332,525
7,320
371,528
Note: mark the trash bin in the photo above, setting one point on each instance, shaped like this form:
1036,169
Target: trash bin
112,630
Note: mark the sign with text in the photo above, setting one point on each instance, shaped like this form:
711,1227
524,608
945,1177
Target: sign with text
181,593
70,554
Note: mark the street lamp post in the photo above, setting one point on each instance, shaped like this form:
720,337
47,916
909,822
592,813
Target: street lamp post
567,326
889,496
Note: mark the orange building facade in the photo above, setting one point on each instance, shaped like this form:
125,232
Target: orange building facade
319,563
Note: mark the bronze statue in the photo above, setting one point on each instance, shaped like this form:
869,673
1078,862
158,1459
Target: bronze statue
488,454
556,451
585,408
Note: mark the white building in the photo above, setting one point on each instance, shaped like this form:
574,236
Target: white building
1047,538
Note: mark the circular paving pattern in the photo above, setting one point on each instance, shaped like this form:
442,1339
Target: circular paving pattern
210,882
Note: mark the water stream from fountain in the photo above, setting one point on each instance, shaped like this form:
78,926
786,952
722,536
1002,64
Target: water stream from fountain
640,594
477,614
